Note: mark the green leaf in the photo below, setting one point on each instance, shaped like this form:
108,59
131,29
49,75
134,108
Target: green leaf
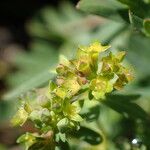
60,137
33,71
138,7
63,125
63,146
123,105
41,146
88,135
113,9
91,113
106,8
135,21
139,23
65,16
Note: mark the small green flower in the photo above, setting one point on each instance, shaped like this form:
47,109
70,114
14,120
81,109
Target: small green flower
87,58
60,92
100,86
68,88
124,77
36,141
112,63
71,111
29,139
90,75
22,115
95,47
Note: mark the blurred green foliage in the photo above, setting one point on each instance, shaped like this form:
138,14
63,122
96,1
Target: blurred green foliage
136,12
59,31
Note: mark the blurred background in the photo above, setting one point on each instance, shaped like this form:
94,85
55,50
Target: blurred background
33,33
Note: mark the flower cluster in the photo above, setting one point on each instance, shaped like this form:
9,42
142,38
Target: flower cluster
94,72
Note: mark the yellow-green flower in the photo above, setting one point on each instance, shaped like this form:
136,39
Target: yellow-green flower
96,47
100,86
72,111
22,115
112,63
29,139
124,77
92,74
